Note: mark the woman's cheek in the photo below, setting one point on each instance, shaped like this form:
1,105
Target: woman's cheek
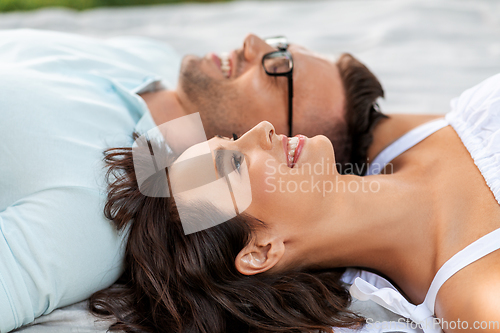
264,180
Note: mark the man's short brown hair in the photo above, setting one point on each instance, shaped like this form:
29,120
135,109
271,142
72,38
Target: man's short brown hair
362,113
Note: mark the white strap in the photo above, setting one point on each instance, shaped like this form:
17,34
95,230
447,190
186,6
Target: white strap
474,251
404,143
423,314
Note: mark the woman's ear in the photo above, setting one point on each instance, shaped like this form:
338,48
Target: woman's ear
260,255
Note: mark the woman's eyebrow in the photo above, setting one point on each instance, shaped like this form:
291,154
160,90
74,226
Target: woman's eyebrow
219,161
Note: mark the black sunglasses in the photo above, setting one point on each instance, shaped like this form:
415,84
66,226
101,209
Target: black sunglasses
280,63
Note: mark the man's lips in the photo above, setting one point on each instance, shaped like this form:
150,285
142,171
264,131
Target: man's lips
219,63
216,60
232,63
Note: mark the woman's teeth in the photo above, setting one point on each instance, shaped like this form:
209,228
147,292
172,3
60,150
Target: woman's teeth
225,64
292,145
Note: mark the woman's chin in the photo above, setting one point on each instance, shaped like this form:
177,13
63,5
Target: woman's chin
324,147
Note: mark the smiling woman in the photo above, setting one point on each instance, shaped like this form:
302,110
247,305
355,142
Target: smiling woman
190,283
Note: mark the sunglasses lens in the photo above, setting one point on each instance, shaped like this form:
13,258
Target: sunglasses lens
277,63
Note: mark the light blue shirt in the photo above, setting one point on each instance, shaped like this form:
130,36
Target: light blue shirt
64,99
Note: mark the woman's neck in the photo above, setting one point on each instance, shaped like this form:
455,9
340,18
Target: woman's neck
383,222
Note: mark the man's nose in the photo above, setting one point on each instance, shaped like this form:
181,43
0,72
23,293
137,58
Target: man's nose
255,48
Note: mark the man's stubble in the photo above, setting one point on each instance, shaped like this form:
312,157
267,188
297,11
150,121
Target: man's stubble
219,104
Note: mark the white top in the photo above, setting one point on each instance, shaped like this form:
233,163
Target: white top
475,116
404,143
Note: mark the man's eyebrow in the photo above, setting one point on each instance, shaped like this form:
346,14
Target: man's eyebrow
219,161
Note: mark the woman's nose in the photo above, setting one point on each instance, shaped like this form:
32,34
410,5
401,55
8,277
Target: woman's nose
254,48
263,135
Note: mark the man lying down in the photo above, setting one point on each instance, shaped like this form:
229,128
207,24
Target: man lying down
66,98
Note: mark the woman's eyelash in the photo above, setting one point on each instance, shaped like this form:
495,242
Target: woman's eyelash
237,159
235,137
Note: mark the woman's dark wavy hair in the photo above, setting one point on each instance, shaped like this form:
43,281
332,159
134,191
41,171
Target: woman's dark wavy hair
362,89
189,283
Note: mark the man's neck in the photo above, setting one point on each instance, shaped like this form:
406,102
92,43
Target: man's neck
164,105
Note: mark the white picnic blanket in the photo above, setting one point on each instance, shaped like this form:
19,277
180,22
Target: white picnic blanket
424,51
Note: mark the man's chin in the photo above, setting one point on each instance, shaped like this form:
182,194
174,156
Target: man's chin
190,72
198,68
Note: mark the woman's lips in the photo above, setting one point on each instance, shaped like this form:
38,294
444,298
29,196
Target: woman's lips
298,150
287,148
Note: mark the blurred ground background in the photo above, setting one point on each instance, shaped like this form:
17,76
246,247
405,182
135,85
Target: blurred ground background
425,52
16,5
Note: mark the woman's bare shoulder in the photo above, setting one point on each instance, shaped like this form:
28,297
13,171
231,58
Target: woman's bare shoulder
475,311
475,307
390,129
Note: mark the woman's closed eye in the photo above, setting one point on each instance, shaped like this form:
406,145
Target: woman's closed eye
228,160
235,137
236,160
